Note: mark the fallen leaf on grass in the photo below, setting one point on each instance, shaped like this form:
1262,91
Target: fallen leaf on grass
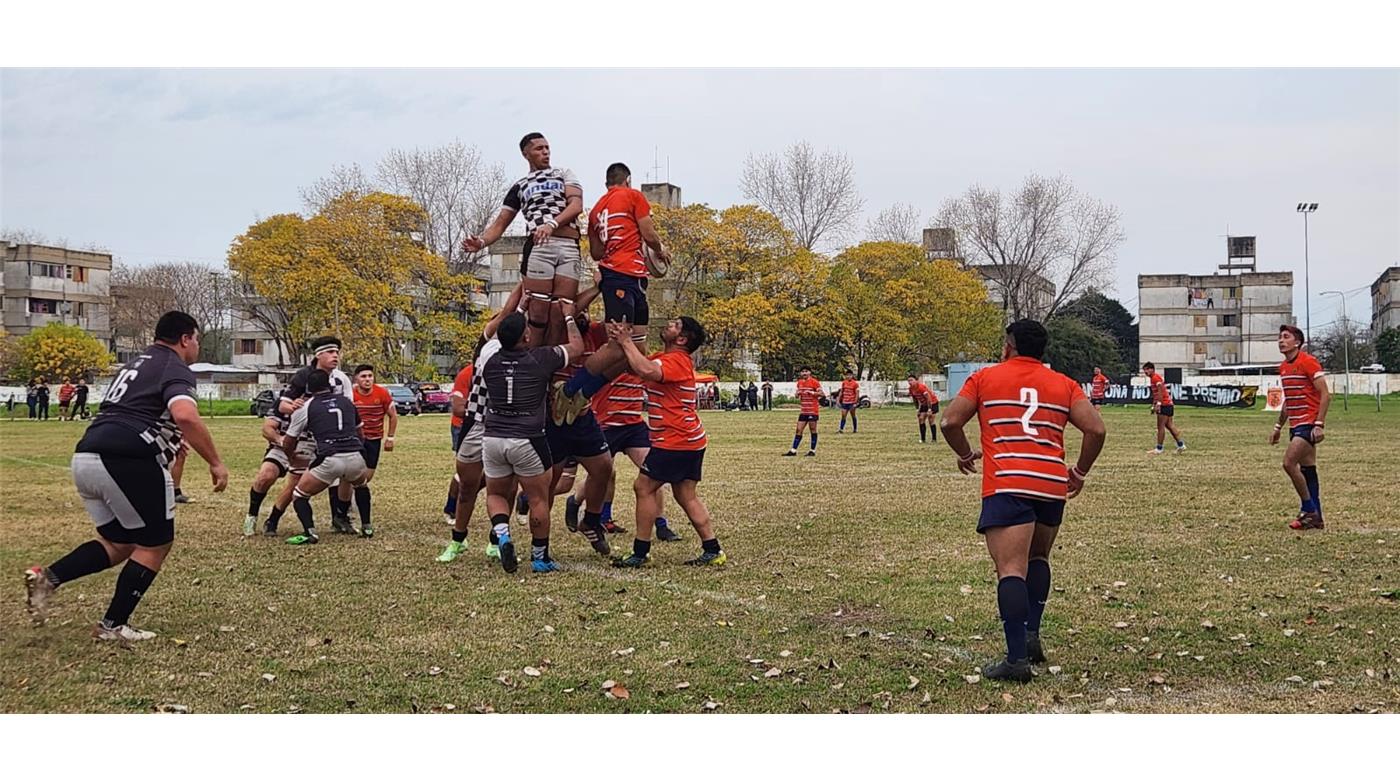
1055,669
913,682
774,672
227,629
1008,698
179,642
1120,624
269,677
178,709
680,686
619,692
1206,624
1289,632
711,705
531,671
972,679
965,589
434,671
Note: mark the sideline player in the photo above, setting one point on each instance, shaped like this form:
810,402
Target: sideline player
809,393
121,471
514,448
1098,387
1163,408
376,409
333,422
1305,402
678,438
1022,409
551,200
849,399
926,405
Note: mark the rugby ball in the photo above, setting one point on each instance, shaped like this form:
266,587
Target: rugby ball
655,265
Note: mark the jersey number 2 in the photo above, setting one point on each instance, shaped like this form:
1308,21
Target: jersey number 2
1031,398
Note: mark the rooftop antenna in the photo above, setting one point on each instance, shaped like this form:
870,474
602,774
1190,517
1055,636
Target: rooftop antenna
656,163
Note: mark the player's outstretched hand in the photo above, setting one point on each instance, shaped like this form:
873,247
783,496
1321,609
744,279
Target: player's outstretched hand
473,244
968,465
219,473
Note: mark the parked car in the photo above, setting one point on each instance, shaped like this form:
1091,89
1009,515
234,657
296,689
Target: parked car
405,402
262,403
1374,368
434,398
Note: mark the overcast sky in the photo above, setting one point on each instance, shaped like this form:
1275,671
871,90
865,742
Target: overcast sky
172,164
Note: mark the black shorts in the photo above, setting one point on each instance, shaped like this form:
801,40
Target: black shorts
372,447
1096,401
1166,411
674,466
927,408
130,500
624,298
1303,432
582,439
622,438
1003,509
802,418
848,407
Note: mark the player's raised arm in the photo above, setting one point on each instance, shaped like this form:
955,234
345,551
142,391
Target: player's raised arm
637,363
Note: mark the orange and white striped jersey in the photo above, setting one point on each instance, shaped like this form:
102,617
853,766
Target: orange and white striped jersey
620,402
1023,408
1300,396
671,409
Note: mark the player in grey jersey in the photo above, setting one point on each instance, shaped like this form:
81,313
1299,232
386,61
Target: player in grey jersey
121,471
550,200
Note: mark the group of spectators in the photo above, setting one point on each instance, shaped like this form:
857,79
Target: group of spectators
72,400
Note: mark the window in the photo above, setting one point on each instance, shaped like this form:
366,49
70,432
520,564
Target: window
50,270
1200,347
1199,320
248,347
1228,320
43,306
78,273
1232,292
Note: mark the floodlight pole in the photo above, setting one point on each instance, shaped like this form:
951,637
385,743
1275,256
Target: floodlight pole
1305,209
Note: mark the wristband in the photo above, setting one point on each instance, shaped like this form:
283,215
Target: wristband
388,438
1278,426
1082,475
551,221
968,458
1319,425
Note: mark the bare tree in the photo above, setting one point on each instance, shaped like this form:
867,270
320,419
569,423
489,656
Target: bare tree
455,186
22,236
143,293
813,194
1044,233
899,222
341,180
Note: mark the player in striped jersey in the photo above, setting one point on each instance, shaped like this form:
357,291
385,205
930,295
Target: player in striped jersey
678,438
926,403
1305,402
1098,387
620,406
849,398
809,393
1164,410
376,409
1022,409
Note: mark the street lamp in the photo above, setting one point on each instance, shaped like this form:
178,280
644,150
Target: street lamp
1305,209
1346,344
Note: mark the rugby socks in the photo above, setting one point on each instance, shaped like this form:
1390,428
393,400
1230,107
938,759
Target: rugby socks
814,441
362,500
842,426
539,549
923,432
855,424
494,538
132,584
302,505
584,381
450,508
1013,603
607,511
796,442
1038,591
500,526
640,548
571,508
90,557
1310,476
459,536
275,515
338,507
255,500
591,519
709,545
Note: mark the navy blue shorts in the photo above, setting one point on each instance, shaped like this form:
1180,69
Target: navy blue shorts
372,452
1003,509
582,439
624,298
1166,411
673,466
807,418
848,407
1301,431
622,438
456,438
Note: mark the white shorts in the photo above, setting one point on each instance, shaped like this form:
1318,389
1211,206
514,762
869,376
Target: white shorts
516,457
469,450
556,257
349,466
306,452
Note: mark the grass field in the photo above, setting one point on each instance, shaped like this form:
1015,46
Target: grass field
856,583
